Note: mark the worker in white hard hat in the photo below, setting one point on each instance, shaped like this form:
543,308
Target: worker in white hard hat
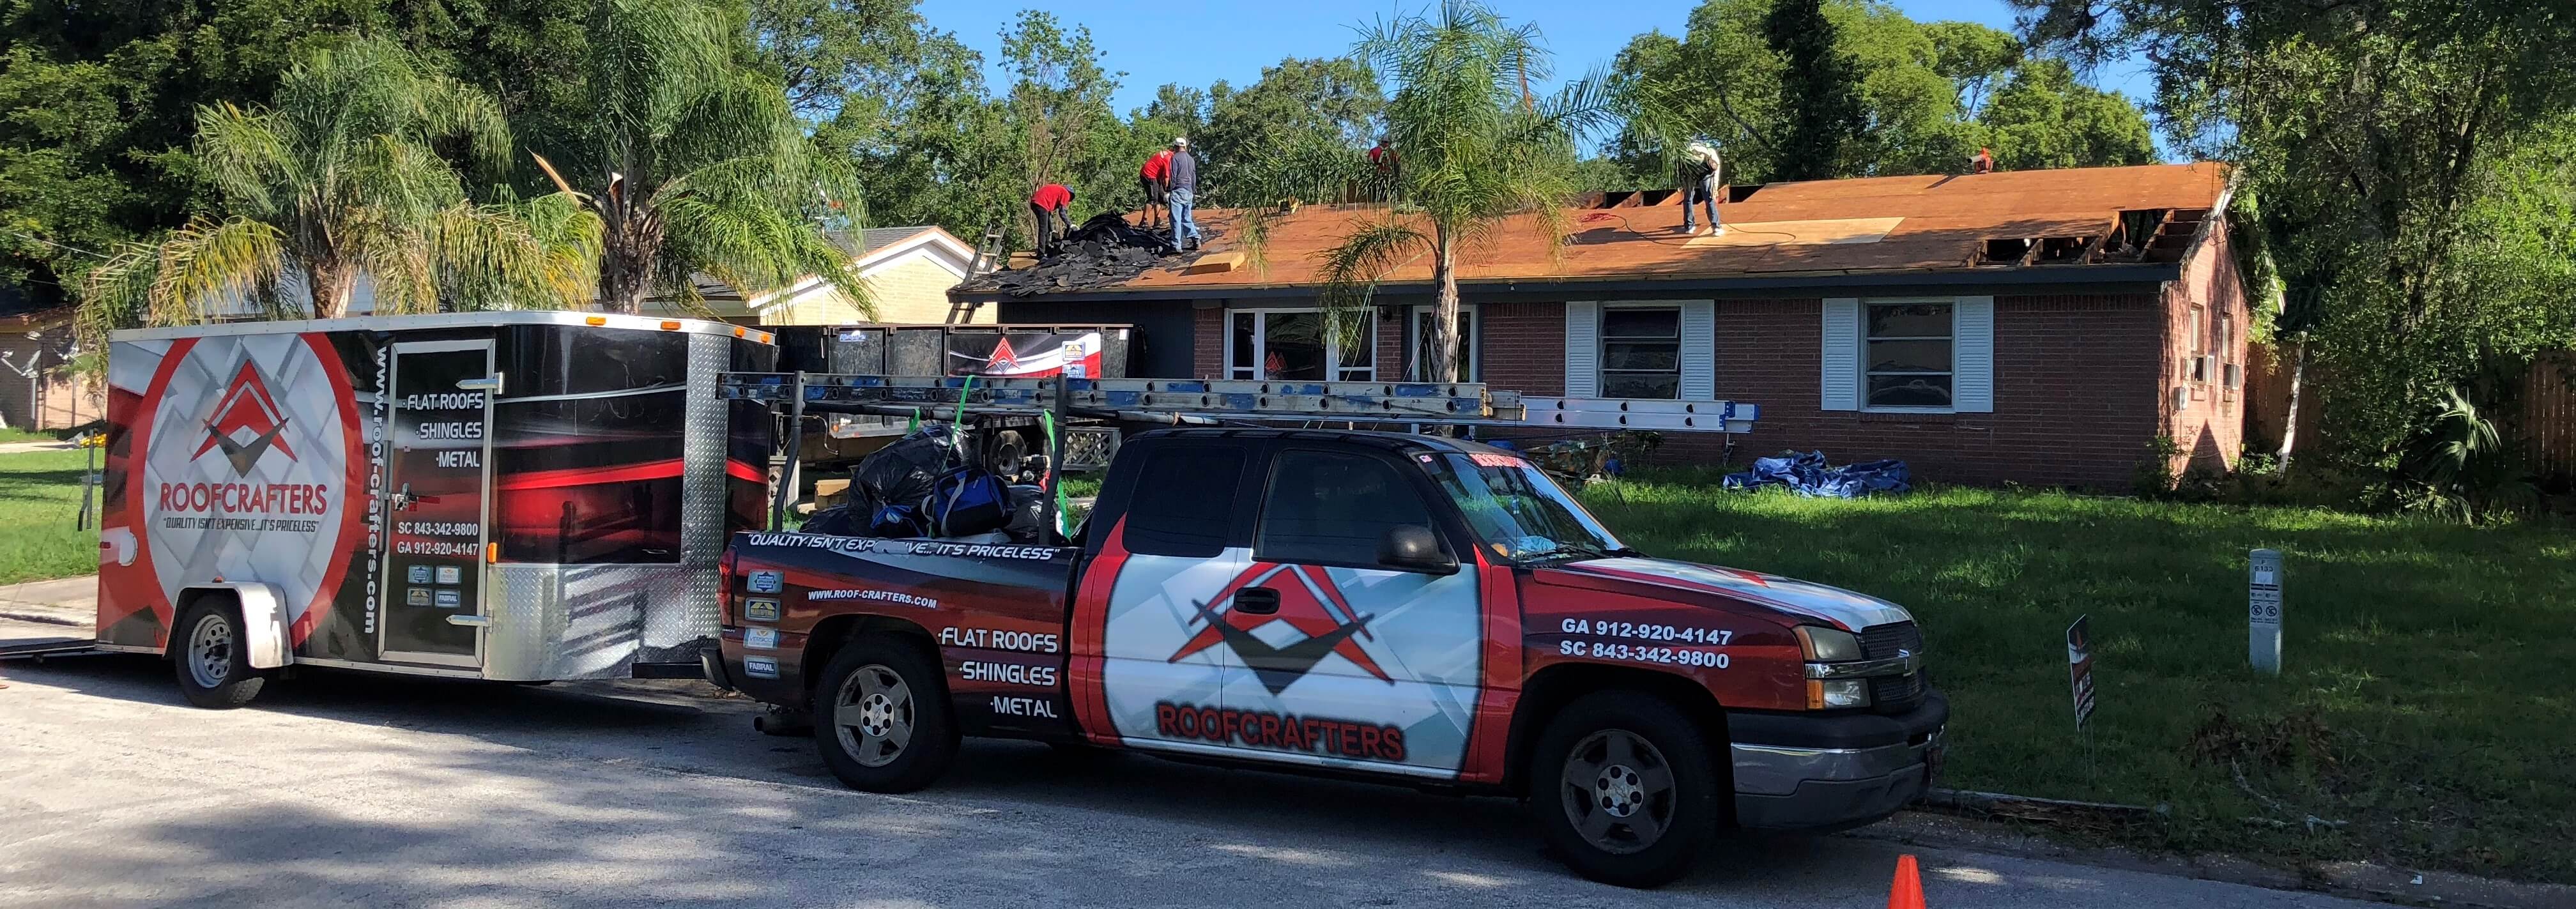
1182,181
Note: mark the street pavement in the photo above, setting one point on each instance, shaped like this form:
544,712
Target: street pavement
343,789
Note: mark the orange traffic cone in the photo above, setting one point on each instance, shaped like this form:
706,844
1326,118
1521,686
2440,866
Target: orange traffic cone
1908,892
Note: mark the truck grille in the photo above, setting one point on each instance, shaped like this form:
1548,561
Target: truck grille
1893,693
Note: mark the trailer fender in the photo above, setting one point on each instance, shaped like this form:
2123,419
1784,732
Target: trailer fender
263,619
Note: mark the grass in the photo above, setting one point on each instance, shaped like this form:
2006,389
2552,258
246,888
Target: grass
10,434
40,497
2424,698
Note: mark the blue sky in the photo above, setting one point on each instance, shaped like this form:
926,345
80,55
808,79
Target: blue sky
1159,41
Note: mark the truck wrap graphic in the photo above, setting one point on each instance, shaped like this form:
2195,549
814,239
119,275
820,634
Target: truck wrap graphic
240,457
1309,664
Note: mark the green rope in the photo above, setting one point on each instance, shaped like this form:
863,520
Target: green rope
1055,478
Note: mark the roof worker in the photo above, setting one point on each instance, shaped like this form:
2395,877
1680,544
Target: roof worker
1697,174
1156,179
1051,200
1382,157
1183,185
1983,162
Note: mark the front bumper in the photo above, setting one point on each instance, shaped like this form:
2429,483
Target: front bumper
1822,773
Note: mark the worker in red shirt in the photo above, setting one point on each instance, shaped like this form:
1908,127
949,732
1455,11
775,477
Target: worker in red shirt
1983,162
1156,178
1050,200
1382,158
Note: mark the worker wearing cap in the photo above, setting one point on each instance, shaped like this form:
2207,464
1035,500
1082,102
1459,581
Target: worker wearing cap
1183,182
1050,201
1697,174
1382,158
1155,178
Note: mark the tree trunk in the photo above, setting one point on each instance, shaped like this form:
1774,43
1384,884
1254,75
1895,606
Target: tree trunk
2290,423
626,264
330,286
1444,319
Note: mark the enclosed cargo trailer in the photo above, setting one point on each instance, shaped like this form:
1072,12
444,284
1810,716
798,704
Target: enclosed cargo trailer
514,496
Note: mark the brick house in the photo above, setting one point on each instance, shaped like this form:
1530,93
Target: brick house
2041,327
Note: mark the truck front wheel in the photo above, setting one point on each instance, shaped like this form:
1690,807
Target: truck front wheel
1624,789
883,720
213,657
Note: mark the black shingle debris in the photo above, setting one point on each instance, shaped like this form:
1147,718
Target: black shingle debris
1105,250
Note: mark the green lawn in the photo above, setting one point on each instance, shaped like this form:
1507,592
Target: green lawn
2425,697
40,497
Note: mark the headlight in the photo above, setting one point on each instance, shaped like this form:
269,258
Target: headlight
1825,645
1836,694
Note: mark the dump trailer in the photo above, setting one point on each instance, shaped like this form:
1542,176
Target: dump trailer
512,496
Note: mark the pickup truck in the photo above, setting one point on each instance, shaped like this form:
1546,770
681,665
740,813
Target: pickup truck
1397,608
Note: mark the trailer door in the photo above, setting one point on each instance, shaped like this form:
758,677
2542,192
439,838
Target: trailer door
438,478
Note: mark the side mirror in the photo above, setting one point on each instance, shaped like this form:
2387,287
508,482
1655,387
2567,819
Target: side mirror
1413,547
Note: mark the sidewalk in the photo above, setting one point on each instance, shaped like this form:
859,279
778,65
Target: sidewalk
18,447
71,602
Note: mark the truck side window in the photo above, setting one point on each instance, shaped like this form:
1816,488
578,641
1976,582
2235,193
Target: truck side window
1332,508
1178,507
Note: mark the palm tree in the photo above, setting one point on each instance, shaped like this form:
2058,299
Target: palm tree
342,178
696,163
1476,151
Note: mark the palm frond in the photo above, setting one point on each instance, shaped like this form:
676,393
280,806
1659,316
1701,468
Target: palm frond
242,153
1353,270
204,263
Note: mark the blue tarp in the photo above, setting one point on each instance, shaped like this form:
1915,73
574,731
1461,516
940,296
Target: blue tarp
1807,475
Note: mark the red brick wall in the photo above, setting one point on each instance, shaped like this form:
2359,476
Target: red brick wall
1207,343
2210,426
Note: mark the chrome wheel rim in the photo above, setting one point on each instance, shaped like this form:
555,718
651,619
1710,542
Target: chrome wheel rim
1618,791
210,651
873,714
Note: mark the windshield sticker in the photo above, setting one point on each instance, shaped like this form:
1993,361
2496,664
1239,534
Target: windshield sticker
1490,459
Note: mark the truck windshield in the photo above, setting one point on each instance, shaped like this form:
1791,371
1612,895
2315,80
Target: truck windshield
1521,514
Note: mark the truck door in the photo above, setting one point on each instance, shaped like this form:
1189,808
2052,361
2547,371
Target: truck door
437,478
1342,661
1166,562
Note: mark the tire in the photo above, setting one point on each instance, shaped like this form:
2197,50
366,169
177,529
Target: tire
1649,799
881,717
207,649
1005,455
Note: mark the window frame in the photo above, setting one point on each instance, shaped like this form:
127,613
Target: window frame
2197,368
1861,354
1601,370
1261,344
1475,340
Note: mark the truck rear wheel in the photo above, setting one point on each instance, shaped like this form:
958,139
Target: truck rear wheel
882,718
1625,790
213,657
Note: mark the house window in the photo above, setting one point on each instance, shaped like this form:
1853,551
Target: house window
1908,352
2198,369
1417,338
1641,352
1297,345
2227,348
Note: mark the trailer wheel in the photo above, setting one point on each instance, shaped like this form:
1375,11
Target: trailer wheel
212,660
1625,790
1006,454
882,721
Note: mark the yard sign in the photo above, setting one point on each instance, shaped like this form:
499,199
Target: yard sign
2079,667
2263,610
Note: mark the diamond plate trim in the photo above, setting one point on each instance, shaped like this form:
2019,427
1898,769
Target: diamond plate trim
588,621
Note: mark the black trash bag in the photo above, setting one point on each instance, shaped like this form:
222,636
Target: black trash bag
966,501
1027,522
903,472
849,519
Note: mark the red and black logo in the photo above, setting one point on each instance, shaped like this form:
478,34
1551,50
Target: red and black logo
246,406
1307,601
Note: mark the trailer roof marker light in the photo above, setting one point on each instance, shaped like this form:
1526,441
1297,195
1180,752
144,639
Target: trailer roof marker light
595,321
741,332
670,325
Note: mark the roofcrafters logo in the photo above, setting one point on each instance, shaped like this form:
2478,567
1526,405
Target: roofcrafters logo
246,422
1303,598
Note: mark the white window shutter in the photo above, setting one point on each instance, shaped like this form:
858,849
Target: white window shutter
1972,377
1841,379
1583,350
1699,350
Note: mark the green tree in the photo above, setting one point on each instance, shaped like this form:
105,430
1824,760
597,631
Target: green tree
1821,118
1927,93
1477,153
2411,157
342,180
694,162
1258,137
